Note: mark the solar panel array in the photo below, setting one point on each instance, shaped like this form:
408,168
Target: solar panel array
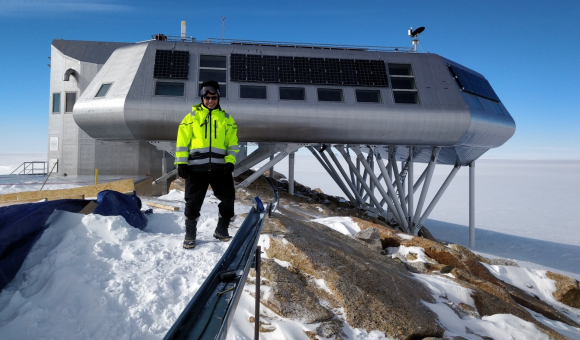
302,70
171,64
472,83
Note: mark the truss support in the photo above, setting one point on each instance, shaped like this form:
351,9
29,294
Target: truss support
362,182
289,148
398,183
391,199
411,189
291,173
436,198
382,191
359,201
263,151
472,205
321,157
430,169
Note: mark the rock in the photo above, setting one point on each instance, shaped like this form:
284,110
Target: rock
177,184
370,237
330,329
289,296
356,276
567,289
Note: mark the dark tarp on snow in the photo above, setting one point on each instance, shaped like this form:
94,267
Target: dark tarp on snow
21,226
113,203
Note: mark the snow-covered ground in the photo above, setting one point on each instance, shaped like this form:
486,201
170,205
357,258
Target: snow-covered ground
96,277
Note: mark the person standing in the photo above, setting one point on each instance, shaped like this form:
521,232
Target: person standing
205,154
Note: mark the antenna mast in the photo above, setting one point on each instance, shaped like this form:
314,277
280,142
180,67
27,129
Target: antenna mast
223,28
415,34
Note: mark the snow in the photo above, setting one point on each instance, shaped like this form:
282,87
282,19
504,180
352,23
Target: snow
96,277
343,225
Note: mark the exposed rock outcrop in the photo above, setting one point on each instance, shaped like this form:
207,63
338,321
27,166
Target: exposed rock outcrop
567,289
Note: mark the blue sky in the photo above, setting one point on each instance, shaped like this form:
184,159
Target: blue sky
527,50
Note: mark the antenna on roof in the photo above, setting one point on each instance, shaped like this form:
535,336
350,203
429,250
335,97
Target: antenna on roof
414,34
223,28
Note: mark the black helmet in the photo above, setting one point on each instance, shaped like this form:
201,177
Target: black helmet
211,86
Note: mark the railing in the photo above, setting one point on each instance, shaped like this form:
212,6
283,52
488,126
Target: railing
283,44
210,312
31,168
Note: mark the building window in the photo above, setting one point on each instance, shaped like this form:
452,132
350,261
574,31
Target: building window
253,92
498,109
103,90
214,67
330,95
368,96
477,103
56,103
403,83
71,98
169,89
292,93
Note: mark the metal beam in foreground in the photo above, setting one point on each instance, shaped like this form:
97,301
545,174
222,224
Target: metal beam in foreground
209,314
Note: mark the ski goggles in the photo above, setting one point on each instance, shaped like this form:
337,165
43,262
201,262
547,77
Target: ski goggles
210,89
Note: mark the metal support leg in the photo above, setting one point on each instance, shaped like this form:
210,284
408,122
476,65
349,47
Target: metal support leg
411,190
264,151
401,221
418,183
472,205
430,169
272,168
359,176
436,198
399,183
328,167
392,201
258,258
359,200
291,173
164,188
290,148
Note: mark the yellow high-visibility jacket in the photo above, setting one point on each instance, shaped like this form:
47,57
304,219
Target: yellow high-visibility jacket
207,139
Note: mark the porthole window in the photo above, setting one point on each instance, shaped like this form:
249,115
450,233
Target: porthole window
403,83
330,95
103,90
292,93
253,92
214,67
56,103
498,109
368,96
477,103
71,99
169,89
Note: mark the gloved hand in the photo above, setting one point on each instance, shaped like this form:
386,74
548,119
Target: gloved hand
183,170
229,168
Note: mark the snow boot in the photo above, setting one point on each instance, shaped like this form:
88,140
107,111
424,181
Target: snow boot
221,231
190,233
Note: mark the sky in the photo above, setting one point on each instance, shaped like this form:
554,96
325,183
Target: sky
526,49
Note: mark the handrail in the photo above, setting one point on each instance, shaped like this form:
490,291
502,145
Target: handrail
285,44
31,170
209,313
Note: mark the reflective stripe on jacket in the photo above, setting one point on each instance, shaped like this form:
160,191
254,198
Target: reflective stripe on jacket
206,138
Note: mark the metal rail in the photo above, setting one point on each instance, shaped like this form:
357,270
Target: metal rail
209,313
28,168
285,44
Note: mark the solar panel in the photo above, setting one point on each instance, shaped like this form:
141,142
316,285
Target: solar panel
302,70
473,83
171,64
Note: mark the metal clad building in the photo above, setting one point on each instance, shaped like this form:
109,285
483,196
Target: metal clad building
129,94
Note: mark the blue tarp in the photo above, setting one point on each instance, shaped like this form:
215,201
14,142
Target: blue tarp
113,203
20,227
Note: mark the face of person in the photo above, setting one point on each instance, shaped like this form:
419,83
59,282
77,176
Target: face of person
210,100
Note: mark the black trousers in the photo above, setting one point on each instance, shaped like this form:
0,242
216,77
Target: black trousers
196,187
